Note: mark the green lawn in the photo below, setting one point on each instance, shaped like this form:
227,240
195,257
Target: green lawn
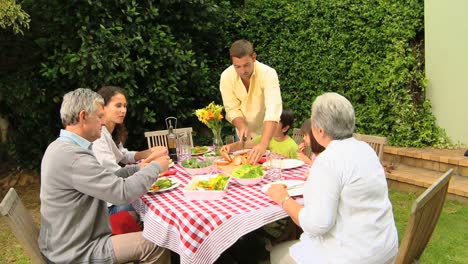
448,243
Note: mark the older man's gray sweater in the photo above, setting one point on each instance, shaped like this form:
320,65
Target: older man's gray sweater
74,190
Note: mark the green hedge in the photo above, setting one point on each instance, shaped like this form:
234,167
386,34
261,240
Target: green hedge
169,55
162,53
369,51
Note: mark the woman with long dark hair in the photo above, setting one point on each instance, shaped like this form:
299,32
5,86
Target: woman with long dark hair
109,149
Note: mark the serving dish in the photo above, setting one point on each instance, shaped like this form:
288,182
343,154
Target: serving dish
195,191
248,174
195,166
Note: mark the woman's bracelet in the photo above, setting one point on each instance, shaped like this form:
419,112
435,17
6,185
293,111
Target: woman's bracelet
284,200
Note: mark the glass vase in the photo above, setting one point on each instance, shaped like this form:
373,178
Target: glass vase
217,141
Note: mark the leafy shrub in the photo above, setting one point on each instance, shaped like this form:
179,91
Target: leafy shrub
169,54
369,51
161,53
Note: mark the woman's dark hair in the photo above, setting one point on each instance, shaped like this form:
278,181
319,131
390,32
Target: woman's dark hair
120,134
287,119
307,130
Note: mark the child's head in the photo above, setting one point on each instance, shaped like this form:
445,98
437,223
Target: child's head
286,119
309,137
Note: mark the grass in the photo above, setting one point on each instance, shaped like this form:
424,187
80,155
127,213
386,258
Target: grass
447,245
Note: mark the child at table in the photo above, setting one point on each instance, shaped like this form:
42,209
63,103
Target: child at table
310,141
281,143
291,230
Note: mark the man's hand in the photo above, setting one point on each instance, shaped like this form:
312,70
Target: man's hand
244,133
226,148
257,152
241,127
156,153
158,148
164,161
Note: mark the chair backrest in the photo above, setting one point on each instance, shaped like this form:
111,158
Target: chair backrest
298,137
376,142
423,220
158,138
22,225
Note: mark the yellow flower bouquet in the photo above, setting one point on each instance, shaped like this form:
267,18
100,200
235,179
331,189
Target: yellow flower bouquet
211,116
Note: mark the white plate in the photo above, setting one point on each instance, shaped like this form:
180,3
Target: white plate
200,153
296,191
240,152
175,184
287,163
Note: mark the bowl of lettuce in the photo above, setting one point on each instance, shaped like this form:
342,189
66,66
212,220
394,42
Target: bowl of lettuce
248,174
195,166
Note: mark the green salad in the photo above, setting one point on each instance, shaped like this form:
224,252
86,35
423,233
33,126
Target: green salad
199,150
194,163
215,183
161,184
247,171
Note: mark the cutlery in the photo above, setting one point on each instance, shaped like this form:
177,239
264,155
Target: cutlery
295,186
244,139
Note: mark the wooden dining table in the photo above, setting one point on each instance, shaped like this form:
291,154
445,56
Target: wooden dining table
200,230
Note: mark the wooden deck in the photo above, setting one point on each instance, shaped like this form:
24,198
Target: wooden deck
415,169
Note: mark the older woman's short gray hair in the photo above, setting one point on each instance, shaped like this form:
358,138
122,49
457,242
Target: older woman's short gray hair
334,114
81,99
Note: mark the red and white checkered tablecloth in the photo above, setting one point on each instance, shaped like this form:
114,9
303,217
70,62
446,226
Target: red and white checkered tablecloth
199,231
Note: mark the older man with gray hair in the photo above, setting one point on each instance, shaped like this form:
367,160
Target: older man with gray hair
75,188
347,216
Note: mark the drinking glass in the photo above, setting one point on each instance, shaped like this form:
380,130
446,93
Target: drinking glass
274,168
184,149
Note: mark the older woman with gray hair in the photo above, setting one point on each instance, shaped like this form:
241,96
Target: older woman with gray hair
347,215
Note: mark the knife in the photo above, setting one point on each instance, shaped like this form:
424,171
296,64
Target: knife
244,139
295,186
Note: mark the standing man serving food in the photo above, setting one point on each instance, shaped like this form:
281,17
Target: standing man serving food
251,96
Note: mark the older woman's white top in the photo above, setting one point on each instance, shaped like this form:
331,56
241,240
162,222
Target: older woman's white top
347,215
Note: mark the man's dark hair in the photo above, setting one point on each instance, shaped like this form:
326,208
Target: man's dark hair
241,48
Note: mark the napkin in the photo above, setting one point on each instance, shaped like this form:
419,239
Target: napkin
122,223
168,172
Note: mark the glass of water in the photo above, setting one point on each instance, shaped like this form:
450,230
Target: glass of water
184,149
275,167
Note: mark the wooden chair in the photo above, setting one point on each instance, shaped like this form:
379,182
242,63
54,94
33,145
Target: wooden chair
22,225
298,137
423,220
158,138
376,142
